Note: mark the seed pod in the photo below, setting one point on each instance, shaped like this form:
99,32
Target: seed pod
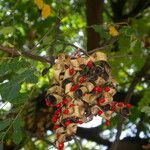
84,88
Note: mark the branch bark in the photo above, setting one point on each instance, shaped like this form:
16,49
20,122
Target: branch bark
15,53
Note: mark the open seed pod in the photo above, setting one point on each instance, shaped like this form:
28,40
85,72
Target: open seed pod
83,87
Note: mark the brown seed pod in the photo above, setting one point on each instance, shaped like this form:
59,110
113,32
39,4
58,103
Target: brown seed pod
83,87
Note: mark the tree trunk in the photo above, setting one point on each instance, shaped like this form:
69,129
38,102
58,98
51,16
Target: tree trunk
94,9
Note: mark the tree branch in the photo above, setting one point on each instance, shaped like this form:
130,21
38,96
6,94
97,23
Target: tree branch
93,135
14,53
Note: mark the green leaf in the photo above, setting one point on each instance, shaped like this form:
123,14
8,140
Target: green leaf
14,65
7,30
136,46
17,124
1,146
30,76
26,76
17,136
128,30
4,68
9,90
2,134
5,123
103,33
20,99
124,43
146,109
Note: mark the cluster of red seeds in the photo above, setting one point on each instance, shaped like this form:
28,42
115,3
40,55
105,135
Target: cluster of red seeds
82,88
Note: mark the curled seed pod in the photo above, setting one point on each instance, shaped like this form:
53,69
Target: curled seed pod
98,70
81,92
64,82
105,75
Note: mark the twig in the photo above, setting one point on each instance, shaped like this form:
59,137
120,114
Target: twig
3,105
79,146
78,48
43,37
28,54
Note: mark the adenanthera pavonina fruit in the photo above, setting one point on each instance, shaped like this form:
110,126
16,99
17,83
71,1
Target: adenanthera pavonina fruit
82,88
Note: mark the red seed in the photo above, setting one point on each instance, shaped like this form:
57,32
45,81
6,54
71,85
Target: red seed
66,111
61,146
99,112
65,101
71,105
57,112
106,89
79,122
97,89
54,119
73,88
82,79
67,123
120,104
55,127
71,71
90,63
107,123
129,105
113,108
101,100
58,105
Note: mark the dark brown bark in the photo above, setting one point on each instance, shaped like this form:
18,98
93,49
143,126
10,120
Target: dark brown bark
94,9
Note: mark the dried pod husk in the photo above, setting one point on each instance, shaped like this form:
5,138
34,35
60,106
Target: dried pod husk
55,90
56,74
60,130
95,110
100,80
99,56
83,88
89,86
71,129
62,138
90,98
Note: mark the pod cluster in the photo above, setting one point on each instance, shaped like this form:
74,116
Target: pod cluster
82,88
